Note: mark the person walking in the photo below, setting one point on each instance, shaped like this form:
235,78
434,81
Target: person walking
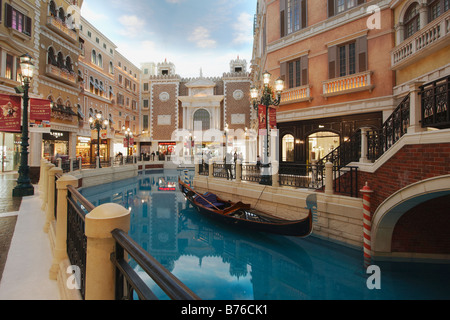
228,165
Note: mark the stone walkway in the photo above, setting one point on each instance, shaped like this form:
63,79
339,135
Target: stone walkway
25,252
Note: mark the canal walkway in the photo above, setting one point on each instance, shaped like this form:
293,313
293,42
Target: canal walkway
25,252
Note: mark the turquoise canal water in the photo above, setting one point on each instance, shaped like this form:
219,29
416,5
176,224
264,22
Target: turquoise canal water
221,263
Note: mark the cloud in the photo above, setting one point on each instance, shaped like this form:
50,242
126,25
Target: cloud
132,25
243,29
175,1
201,36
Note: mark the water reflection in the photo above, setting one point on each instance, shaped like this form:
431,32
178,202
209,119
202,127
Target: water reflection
219,262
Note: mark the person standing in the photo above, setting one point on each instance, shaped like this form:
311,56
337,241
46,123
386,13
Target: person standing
228,163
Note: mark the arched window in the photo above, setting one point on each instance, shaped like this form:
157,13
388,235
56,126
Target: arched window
100,60
60,60
62,14
412,20
52,9
287,150
94,57
69,64
111,67
91,85
203,116
51,59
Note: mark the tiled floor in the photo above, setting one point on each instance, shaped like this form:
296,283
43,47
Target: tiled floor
8,204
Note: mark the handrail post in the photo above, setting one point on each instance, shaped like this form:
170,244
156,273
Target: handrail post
60,252
364,145
47,167
329,178
50,214
100,272
415,105
211,168
238,170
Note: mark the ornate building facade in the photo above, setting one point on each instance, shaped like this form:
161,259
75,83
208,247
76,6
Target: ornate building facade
189,116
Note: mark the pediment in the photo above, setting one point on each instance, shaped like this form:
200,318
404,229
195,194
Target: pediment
200,83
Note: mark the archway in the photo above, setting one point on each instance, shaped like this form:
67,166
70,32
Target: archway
407,200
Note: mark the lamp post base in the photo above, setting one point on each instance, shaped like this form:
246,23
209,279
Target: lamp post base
23,191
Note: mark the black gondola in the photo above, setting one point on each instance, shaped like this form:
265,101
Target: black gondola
242,215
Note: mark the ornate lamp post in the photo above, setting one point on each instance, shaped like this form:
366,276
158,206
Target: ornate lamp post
24,187
128,136
98,124
267,99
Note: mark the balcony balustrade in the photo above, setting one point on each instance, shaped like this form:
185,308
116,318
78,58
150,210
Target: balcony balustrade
353,83
299,94
426,39
61,28
61,74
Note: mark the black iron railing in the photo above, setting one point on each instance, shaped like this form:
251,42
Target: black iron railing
77,208
220,170
251,172
302,176
348,151
346,180
128,281
435,98
393,129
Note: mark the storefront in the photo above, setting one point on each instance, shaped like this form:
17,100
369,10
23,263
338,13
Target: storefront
303,142
55,144
10,151
83,149
104,149
166,149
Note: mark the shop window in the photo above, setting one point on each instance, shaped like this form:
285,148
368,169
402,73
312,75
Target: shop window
321,144
287,151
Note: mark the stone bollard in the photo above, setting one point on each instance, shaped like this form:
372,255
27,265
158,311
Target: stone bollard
50,212
211,169
100,272
47,167
329,178
41,174
60,251
238,171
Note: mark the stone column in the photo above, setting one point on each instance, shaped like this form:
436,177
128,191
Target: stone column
364,145
60,252
211,169
100,272
415,108
238,171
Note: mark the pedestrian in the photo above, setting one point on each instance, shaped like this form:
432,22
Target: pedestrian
228,168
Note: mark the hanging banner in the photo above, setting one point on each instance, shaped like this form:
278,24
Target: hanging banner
273,118
262,117
40,110
40,115
10,113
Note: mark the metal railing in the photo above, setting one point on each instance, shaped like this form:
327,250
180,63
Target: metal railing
77,208
435,98
346,181
308,176
127,280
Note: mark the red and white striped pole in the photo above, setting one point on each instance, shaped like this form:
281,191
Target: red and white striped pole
367,221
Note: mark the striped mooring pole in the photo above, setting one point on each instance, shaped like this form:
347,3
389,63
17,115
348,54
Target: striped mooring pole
367,221
186,177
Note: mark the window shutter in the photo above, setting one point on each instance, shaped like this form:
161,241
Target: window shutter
8,16
1,4
361,54
283,66
360,2
332,59
304,68
282,18
330,8
304,14
28,25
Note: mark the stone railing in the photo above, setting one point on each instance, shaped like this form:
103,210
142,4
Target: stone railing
61,74
62,28
299,94
423,39
348,84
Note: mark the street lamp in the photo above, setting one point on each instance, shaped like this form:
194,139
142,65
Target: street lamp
267,99
24,187
98,124
128,136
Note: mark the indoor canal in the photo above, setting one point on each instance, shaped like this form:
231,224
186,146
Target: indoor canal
218,262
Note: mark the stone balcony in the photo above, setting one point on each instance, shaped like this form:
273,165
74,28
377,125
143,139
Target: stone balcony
294,95
62,29
60,74
353,83
432,37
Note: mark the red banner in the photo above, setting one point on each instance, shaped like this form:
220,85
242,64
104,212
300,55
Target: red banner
262,117
10,113
40,110
273,118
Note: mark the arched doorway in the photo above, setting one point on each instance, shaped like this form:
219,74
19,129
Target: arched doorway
321,143
204,117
